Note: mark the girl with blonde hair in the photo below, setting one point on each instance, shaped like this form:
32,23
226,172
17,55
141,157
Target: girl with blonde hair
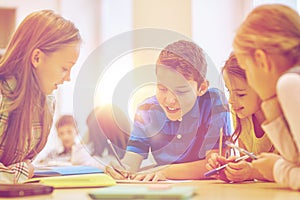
267,46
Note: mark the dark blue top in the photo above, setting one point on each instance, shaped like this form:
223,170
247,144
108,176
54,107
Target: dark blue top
180,141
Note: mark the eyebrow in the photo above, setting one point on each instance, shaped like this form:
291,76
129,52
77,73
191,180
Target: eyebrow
237,89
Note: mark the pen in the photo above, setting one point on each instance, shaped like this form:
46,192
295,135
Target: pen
214,171
251,155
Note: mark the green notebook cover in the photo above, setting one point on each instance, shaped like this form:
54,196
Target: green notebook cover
158,191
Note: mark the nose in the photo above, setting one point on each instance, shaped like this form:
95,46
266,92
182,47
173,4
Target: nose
231,100
67,77
170,98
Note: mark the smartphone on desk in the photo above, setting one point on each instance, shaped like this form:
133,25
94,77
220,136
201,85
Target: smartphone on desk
20,190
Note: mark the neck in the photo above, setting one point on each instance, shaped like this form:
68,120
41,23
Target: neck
258,118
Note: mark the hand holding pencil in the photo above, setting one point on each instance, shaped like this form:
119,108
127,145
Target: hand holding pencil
116,168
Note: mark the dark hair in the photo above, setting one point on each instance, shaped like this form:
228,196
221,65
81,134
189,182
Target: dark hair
108,122
65,120
233,68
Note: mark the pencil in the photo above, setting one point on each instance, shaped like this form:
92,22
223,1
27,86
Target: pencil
115,154
221,141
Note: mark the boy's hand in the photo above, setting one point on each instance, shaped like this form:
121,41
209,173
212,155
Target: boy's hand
116,171
154,176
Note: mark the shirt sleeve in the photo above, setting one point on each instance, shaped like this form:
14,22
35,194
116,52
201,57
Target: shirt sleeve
287,174
220,118
15,173
288,89
284,131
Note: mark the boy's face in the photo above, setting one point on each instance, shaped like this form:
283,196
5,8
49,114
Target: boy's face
67,135
175,94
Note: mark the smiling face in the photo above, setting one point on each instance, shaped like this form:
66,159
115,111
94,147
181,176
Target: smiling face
244,101
54,68
175,94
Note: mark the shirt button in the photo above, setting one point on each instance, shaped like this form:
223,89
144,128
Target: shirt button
179,136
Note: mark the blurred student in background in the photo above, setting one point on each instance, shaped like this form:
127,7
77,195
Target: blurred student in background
37,60
245,107
267,46
105,122
67,132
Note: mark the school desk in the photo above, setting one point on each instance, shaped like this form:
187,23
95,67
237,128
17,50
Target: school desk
205,189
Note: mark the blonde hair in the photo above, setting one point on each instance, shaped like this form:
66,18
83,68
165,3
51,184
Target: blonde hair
273,28
42,30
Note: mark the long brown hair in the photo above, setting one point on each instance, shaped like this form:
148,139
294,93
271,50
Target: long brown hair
42,30
232,67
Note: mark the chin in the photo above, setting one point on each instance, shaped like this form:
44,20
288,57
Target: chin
241,116
173,118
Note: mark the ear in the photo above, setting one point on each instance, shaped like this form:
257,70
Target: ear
203,88
36,57
261,60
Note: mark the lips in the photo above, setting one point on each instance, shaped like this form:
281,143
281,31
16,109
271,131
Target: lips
171,109
238,109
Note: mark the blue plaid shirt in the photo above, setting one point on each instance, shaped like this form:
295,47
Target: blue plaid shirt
180,141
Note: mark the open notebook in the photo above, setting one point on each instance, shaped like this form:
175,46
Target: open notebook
75,181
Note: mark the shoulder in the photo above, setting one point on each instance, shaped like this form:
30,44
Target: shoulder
148,104
214,96
288,85
213,93
149,110
288,81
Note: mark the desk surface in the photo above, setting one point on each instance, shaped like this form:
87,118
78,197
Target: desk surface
206,189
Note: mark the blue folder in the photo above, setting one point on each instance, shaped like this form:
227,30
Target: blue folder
65,170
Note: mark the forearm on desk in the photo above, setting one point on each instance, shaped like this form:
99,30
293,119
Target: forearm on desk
287,174
190,170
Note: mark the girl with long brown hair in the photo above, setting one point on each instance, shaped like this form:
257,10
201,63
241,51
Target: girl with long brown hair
38,58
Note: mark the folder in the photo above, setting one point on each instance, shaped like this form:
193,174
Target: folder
65,170
76,181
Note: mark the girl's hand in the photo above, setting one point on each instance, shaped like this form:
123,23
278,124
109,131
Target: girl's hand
30,168
216,161
238,172
265,164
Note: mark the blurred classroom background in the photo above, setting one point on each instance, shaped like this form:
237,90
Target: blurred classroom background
211,24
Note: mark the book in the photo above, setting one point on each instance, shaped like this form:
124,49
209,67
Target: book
75,181
65,170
